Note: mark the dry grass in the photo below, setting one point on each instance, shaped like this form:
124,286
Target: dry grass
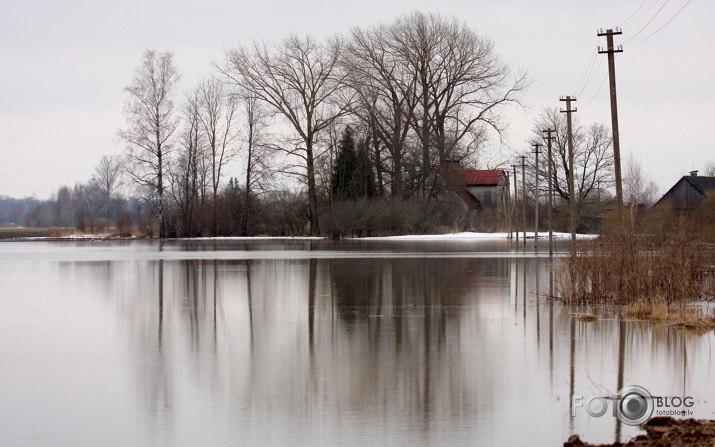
694,321
644,309
654,271
658,310
10,233
18,232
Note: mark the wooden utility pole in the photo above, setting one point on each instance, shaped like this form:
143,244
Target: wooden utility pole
507,206
523,195
572,196
513,207
611,51
549,138
536,192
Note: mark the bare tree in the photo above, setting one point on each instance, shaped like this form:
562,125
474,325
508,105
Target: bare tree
299,79
468,87
638,190
107,180
385,97
593,155
151,123
435,77
462,85
710,168
256,153
217,110
189,176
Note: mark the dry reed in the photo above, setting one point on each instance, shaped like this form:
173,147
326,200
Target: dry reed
654,271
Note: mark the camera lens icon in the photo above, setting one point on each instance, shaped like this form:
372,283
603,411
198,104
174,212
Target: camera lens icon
635,405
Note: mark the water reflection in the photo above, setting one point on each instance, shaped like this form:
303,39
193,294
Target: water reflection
378,351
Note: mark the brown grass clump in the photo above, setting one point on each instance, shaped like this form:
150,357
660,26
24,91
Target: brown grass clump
695,322
644,309
60,231
658,310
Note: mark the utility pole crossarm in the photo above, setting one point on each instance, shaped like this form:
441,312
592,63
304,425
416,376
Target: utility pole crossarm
611,50
609,32
568,100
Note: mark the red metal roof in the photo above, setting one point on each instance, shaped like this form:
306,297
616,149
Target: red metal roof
474,177
469,199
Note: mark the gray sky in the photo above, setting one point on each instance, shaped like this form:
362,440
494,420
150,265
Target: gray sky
65,63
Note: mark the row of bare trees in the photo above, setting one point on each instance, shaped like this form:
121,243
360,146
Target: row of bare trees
91,206
419,91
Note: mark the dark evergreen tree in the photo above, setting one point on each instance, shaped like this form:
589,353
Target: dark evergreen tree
365,176
343,182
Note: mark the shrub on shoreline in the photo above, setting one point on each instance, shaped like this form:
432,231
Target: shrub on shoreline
655,270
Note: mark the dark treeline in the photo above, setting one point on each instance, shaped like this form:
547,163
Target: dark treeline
13,210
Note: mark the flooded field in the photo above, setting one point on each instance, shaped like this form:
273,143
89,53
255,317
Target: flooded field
311,342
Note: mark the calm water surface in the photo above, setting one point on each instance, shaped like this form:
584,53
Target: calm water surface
305,342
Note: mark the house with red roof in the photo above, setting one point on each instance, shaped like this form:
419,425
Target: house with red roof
480,189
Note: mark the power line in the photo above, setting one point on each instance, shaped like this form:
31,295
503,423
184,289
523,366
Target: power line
603,82
648,22
592,76
627,21
590,71
663,26
584,79
646,11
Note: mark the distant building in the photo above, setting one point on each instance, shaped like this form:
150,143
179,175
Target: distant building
479,189
689,192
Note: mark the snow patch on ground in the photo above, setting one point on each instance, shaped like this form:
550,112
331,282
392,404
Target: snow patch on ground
413,237
471,235
254,238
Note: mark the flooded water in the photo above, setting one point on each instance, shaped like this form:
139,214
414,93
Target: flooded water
307,342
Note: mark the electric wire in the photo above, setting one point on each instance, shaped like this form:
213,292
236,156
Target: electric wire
648,22
584,79
627,20
662,26
646,11
593,74
597,92
592,69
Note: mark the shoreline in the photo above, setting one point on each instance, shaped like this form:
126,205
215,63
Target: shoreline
26,235
661,431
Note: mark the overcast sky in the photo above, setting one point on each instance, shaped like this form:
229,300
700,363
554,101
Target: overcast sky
65,64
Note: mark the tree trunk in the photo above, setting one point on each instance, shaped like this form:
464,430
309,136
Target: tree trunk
312,192
247,192
160,191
